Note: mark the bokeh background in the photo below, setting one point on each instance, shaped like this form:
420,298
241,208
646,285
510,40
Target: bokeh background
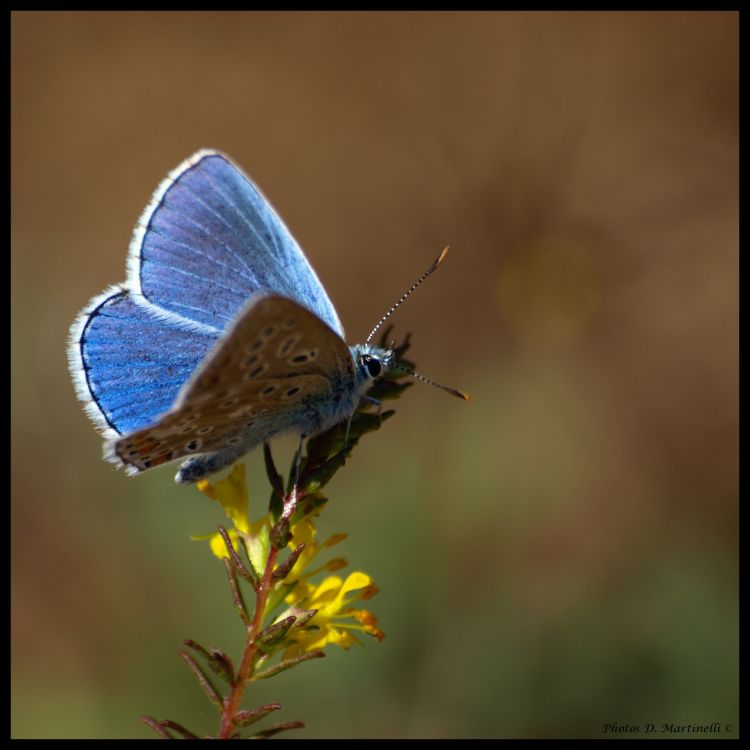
559,554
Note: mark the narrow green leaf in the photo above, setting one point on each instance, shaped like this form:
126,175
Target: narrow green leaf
219,663
238,564
245,718
237,598
319,448
277,596
275,506
175,727
324,473
288,664
258,547
274,633
283,570
303,617
276,728
205,683
366,422
151,722
279,536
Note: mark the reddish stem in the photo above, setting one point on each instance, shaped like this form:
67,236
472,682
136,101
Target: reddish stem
232,702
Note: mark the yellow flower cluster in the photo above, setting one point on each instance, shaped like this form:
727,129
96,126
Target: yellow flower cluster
335,620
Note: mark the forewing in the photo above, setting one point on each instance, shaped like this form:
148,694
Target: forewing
209,239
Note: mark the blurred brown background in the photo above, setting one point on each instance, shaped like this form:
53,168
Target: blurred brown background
559,554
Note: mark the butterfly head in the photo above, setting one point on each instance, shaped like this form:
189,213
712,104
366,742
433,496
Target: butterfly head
372,361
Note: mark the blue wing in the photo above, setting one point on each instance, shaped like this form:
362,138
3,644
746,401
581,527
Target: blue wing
128,363
205,244
209,240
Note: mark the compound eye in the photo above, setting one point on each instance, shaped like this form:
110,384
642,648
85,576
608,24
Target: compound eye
373,366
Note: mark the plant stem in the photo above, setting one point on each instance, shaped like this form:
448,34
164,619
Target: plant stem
244,673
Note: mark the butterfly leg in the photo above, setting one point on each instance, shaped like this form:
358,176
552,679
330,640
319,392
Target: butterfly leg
298,460
346,434
200,467
376,402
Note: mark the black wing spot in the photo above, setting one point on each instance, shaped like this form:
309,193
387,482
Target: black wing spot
288,344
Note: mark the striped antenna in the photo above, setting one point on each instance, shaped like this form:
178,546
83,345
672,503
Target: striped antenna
453,391
435,264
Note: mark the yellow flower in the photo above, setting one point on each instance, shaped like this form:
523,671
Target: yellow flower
232,494
335,620
304,531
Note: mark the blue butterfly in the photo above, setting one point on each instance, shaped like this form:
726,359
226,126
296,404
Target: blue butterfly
221,337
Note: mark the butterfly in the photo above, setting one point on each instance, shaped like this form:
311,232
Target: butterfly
221,337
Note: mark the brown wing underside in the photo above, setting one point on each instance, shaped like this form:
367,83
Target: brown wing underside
275,355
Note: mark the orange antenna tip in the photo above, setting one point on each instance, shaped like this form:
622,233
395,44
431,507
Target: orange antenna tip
441,258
